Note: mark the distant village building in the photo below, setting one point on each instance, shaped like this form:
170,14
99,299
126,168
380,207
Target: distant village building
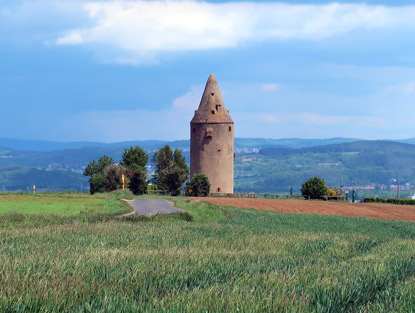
212,140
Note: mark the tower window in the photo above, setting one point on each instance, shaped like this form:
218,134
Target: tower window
209,132
218,189
230,128
213,111
212,94
218,107
219,150
194,129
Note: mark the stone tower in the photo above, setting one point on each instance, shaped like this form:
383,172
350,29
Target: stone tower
212,140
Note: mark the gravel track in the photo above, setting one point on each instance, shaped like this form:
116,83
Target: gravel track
152,207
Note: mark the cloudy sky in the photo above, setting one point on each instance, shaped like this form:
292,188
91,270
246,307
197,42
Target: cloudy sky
130,70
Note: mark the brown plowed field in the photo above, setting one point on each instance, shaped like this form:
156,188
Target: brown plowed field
380,211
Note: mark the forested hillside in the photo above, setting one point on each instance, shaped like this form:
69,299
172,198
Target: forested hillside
261,165
350,164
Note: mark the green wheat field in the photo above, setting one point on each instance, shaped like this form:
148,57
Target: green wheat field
67,253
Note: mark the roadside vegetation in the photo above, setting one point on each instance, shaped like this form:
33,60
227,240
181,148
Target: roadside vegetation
221,259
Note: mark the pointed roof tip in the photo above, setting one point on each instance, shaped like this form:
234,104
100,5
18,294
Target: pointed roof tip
211,108
211,77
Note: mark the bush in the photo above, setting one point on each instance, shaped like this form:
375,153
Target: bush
314,188
199,186
390,201
331,192
369,200
122,194
151,189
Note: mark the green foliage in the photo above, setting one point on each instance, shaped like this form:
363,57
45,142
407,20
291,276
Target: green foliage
105,176
171,170
113,175
98,181
359,163
122,194
134,157
151,189
199,186
138,181
96,167
315,188
390,201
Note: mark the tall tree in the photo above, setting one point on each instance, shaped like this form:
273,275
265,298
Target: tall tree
138,182
113,175
98,181
134,157
171,170
134,160
96,167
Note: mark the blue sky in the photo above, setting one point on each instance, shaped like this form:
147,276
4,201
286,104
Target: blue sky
131,70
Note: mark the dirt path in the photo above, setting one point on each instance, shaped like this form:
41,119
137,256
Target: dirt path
151,207
380,211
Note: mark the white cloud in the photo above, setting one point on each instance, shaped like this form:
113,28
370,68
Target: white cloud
191,100
140,28
70,39
270,87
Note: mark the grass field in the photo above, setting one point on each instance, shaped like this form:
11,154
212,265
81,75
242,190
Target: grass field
223,260
18,210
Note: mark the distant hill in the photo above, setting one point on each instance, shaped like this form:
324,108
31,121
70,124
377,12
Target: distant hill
288,142
42,145
20,177
356,146
279,164
349,164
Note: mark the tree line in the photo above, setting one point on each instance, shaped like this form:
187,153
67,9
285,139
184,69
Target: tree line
171,172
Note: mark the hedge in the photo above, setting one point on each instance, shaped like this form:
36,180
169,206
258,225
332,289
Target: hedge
390,201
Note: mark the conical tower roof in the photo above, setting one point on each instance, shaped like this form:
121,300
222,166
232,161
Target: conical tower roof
211,108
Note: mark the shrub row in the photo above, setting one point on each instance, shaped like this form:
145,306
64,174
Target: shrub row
390,201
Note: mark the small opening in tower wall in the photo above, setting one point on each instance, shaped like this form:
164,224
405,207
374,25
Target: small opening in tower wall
194,129
218,107
212,94
218,189
209,132
230,128
213,111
